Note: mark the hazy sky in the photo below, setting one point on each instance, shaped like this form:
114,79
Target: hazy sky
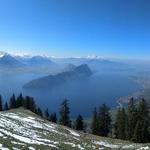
109,28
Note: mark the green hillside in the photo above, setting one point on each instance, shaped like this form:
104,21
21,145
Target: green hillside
21,129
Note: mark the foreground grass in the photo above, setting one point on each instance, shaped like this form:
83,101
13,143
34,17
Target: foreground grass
21,129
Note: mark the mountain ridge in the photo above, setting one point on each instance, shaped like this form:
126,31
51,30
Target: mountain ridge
7,60
60,78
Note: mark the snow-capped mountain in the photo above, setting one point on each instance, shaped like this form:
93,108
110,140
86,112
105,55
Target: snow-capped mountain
2,54
47,59
7,60
95,62
14,60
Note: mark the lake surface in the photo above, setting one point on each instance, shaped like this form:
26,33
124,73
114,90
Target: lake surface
83,95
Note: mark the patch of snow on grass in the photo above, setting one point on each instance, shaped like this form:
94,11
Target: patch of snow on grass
17,143
14,148
128,146
106,144
68,143
31,148
74,133
1,134
80,147
144,148
25,129
27,122
116,146
74,145
3,148
26,139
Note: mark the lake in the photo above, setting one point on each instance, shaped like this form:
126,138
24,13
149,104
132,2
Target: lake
83,95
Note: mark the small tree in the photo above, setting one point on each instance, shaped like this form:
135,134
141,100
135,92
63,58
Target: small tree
6,106
94,124
32,105
104,120
39,112
53,117
19,101
79,124
26,103
141,132
29,103
65,113
12,102
47,114
131,119
120,124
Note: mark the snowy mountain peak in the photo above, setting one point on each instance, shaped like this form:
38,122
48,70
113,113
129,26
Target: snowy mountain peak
94,57
27,55
3,54
6,60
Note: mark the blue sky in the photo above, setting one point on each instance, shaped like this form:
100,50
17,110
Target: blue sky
109,28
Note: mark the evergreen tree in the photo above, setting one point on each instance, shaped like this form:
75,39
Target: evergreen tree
47,114
104,120
6,106
53,117
79,124
94,124
131,118
64,113
1,103
26,103
19,101
29,103
32,105
141,132
12,102
120,124
39,112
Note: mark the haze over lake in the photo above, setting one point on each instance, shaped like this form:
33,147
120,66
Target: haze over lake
84,95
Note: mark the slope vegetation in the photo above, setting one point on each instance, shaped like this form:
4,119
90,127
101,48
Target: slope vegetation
21,129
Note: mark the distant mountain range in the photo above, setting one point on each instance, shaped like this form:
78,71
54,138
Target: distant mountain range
35,60
47,59
60,64
95,63
8,61
38,60
51,81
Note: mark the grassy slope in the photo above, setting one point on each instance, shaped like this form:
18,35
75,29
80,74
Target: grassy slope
21,129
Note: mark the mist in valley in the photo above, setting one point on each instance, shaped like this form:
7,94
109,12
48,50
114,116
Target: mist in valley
106,85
